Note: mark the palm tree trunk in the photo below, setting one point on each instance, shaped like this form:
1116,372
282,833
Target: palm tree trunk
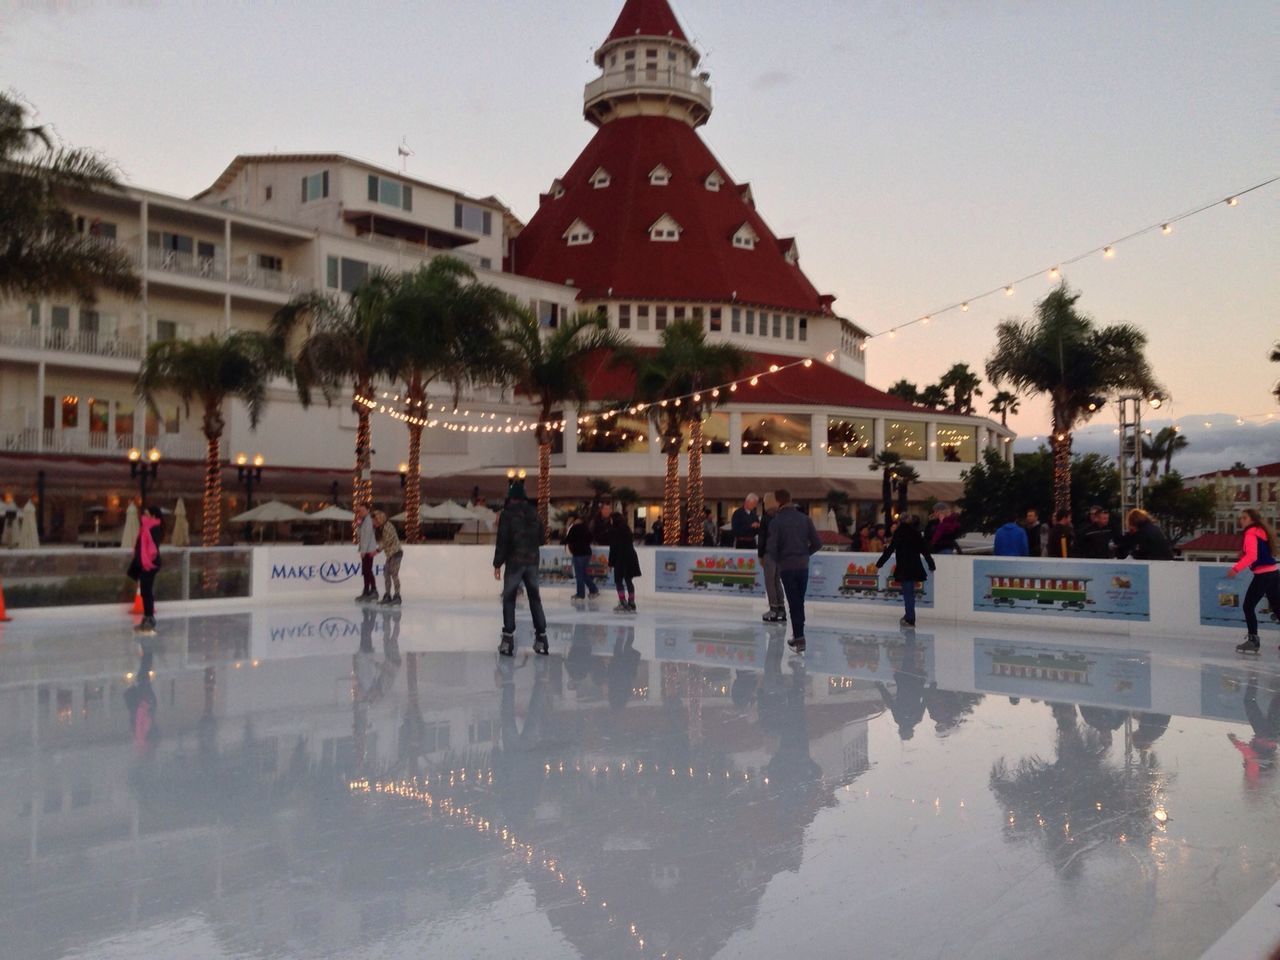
671,496
886,497
903,484
544,482
695,481
413,487
211,507
1060,444
362,478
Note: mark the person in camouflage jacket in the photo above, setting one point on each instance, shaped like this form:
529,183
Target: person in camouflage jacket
516,548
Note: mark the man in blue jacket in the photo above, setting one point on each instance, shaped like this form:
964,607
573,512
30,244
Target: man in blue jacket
793,539
1011,540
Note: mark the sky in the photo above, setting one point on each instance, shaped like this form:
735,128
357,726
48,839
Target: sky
921,152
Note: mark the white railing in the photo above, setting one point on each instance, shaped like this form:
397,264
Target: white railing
186,264
654,79
33,440
420,251
72,341
277,281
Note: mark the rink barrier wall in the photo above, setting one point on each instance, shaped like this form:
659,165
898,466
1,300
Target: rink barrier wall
1121,597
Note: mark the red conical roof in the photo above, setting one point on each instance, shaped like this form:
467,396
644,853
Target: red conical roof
703,265
648,18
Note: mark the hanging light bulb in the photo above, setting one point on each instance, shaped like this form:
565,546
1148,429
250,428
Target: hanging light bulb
1008,291
831,357
1055,273
1108,251
1166,228
755,381
964,307
893,333
925,319
808,361
1232,201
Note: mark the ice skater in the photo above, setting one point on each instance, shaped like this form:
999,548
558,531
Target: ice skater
793,539
1258,554
146,565
912,554
578,539
367,544
624,562
516,548
392,554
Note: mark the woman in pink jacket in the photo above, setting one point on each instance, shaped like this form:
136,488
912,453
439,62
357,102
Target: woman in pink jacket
1259,555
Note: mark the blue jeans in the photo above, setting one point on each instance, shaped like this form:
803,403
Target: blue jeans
794,585
512,577
909,600
583,578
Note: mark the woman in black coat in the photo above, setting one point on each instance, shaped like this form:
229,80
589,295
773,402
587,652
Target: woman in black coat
911,553
624,562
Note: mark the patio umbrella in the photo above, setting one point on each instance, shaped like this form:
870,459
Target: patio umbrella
830,522
273,511
486,516
131,527
450,511
28,538
8,524
181,536
332,512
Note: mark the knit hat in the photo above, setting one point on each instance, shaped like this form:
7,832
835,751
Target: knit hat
515,490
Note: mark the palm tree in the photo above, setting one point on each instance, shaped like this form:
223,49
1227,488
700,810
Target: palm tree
627,498
1004,403
904,475
1162,447
887,462
550,371
685,365
1275,358
208,372
338,346
40,250
964,385
441,326
933,396
904,390
1062,353
838,504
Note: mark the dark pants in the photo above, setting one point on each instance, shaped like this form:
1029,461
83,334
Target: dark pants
147,584
625,586
582,577
794,585
1263,585
366,570
909,600
512,578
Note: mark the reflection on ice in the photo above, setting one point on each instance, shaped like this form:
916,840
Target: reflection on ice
329,782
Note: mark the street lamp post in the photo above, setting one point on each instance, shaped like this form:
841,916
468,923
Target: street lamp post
250,475
144,469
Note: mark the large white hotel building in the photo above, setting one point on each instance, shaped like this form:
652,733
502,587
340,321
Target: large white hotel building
645,225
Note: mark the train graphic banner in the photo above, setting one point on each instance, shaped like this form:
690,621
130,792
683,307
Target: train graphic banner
555,567
844,577
1062,673
1221,599
1109,591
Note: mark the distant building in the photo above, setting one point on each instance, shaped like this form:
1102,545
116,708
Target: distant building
1257,487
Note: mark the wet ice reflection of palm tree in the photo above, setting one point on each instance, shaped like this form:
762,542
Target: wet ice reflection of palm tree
1080,801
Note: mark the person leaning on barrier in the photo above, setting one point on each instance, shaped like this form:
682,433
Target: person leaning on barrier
1144,539
746,525
1095,539
1062,536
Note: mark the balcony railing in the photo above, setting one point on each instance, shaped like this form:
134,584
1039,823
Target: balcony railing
654,79
420,251
72,341
32,440
215,268
278,281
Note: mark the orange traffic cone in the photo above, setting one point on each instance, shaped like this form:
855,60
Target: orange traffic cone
4,617
137,601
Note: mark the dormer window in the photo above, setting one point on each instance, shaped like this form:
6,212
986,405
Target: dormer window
578,234
790,252
747,196
714,181
659,176
600,179
745,237
557,188
665,230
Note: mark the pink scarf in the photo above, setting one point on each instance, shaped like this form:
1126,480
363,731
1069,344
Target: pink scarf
147,550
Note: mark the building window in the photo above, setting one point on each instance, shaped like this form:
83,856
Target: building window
472,219
624,316
659,176
957,444
600,179
715,433
642,316
60,318
660,318
745,237
677,314
315,186
578,234
124,419
905,438
391,192
548,313
166,330
776,435
714,321
804,329
353,274
665,230
735,320
266,193
751,322
849,437
487,264
70,412
33,313
625,433
97,228
714,181
777,326
331,272
791,328
99,415
267,261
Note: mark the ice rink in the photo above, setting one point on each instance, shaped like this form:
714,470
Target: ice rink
337,781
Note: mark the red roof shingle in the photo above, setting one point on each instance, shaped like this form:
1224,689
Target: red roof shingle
703,265
646,18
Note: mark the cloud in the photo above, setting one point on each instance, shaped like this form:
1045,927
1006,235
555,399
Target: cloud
773,80
1210,449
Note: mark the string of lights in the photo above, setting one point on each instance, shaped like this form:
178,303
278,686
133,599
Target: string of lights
1054,271
1193,422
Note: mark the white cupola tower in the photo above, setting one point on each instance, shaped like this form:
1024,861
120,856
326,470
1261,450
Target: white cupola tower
649,70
